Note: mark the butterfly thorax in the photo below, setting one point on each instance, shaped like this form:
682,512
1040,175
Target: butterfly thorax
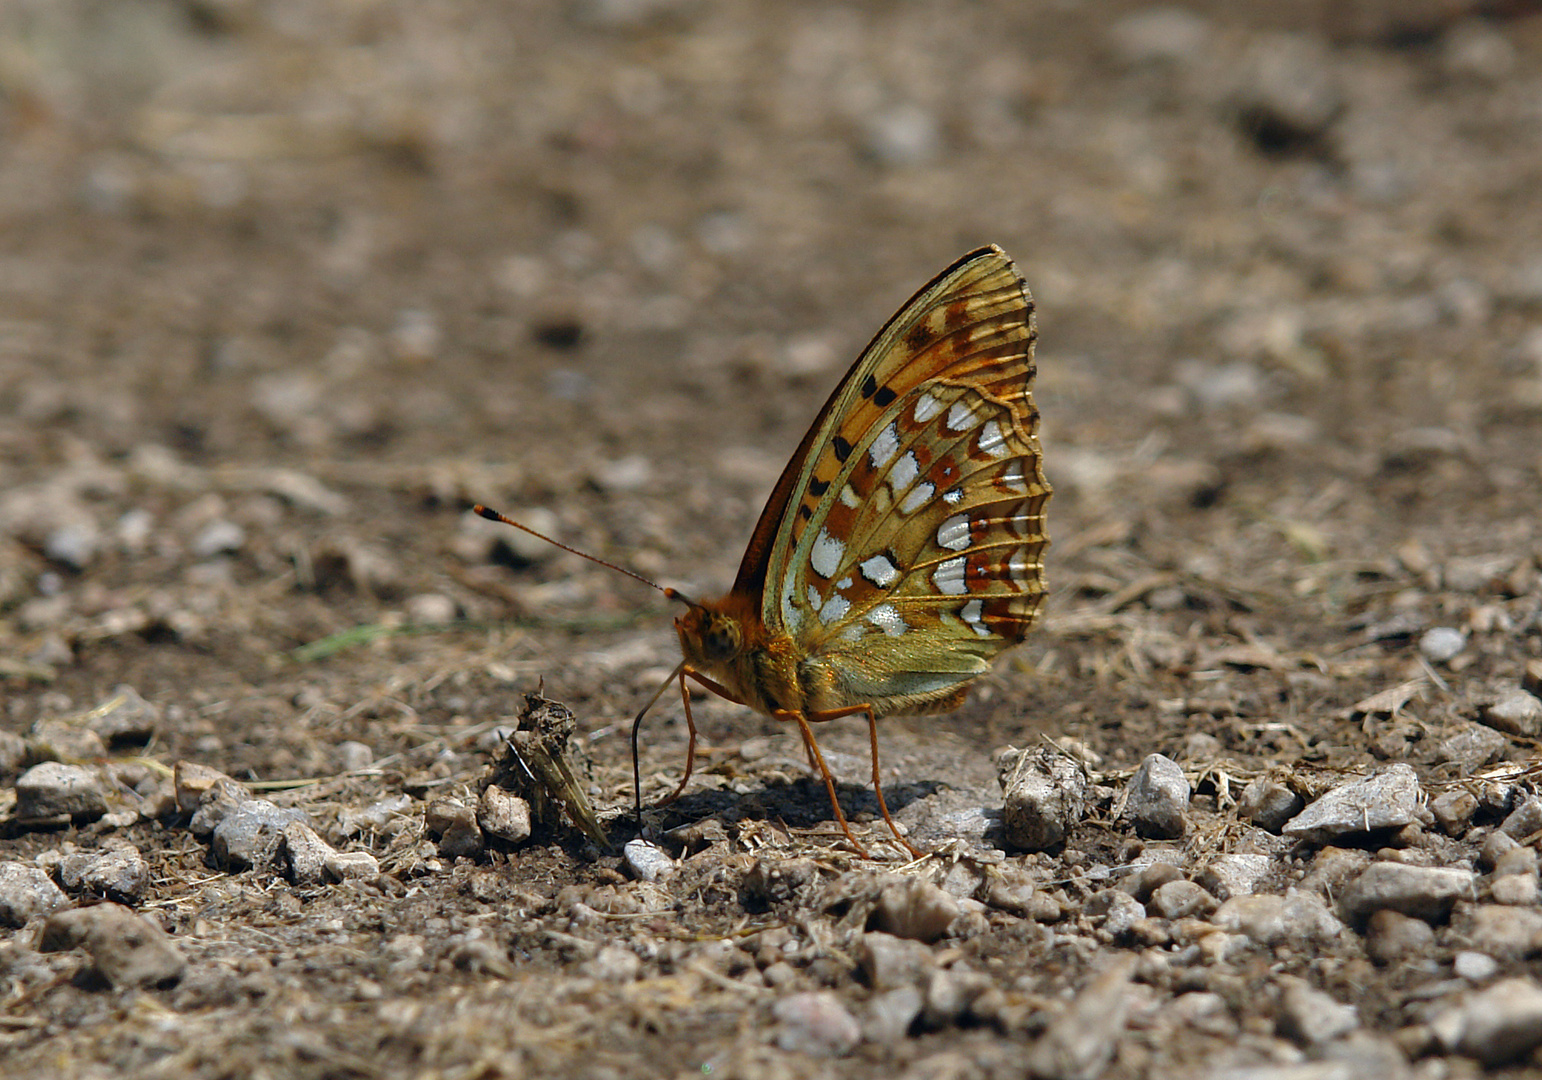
726,641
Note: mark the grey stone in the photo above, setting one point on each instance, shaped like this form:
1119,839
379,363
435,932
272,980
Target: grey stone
1288,90
1472,746
25,892
915,909
1181,900
126,949
647,862
455,824
1454,810
613,964
1267,919
248,836
1158,797
1118,909
890,962
65,739
1310,1017
950,993
216,804
1515,713
1079,1043
1518,860
195,783
816,1024
13,751
304,853
55,792
118,872
354,756
1525,820
1442,643
1148,879
1268,803
1474,966
124,718
1236,874
1387,800
1506,932
1498,1025
1496,845
505,815
1044,796
1517,889
1391,936
891,1014
1424,892
349,865
76,545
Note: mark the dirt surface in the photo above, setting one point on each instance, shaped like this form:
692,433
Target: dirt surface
285,286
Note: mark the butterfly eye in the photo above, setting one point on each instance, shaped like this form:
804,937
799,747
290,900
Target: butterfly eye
721,640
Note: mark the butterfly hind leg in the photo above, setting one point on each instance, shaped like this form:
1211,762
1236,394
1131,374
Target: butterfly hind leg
812,746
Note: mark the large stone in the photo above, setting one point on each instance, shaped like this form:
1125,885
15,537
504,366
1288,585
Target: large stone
126,950
1158,798
1044,796
57,793
1424,892
25,891
1387,800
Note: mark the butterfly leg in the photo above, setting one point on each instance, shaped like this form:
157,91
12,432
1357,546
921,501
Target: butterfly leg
872,735
690,725
818,760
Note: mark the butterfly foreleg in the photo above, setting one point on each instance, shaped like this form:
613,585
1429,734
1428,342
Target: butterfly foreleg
684,671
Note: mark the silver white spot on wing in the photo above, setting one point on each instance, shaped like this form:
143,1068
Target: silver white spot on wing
814,599
827,553
948,578
972,613
926,407
992,441
792,614
884,447
919,496
849,497
1013,480
834,608
953,496
961,416
880,571
953,534
905,470
887,618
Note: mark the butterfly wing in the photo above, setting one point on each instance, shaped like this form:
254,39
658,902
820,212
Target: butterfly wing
902,547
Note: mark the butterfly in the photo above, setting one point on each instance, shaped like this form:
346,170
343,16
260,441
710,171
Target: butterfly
902,548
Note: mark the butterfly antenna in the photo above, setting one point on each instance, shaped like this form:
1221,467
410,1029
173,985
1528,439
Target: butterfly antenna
493,515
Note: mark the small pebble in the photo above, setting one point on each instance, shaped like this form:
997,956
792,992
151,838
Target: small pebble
1525,820
1505,931
1044,796
455,824
890,962
776,881
1310,1017
1235,874
1454,811
1474,966
1158,797
817,1024
891,1014
76,545
505,815
1268,803
126,950
1080,1041
1424,892
648,862
304,853
431,609
353,756
1181,900
950,993
220,537
1442,643
1391,937
1516,713
26,892
1498,1025
118,873
249,835
55,792
915,909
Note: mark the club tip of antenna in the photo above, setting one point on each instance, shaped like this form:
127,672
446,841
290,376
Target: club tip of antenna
487,512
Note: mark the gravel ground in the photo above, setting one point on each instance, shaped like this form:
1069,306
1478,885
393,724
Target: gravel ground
286,286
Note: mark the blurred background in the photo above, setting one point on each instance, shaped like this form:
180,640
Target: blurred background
285,283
